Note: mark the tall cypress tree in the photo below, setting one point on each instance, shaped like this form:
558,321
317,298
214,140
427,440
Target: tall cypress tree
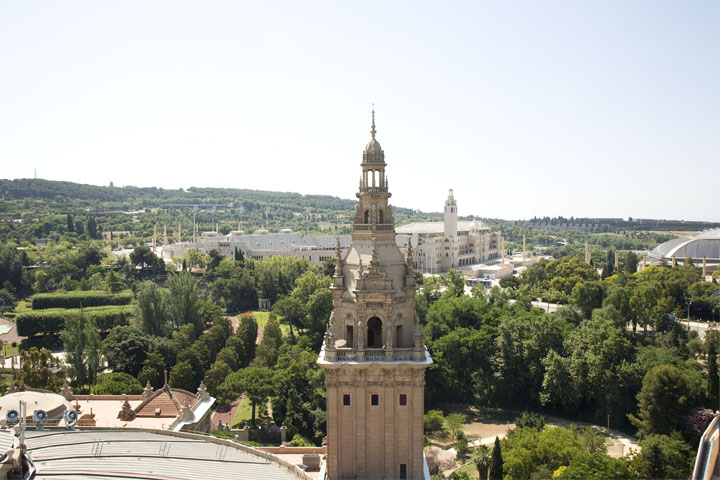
609,264
496,469
70,224
92,228
713,380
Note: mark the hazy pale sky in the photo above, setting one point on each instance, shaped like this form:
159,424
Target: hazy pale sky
604,108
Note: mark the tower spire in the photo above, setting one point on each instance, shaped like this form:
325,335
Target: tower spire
372,130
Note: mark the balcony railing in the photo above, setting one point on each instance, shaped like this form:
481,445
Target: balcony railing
381,227
374,354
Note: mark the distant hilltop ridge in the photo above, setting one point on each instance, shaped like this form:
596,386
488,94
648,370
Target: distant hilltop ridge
102,198
606,225
50,189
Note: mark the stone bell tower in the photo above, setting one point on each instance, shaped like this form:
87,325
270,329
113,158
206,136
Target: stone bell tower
374,353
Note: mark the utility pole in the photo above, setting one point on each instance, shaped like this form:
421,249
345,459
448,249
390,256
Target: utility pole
307,216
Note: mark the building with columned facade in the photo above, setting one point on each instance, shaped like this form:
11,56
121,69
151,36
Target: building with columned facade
440,246
374,353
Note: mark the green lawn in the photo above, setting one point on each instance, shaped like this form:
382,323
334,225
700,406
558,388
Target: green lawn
243,413
471,469
23,306
9,350
261,318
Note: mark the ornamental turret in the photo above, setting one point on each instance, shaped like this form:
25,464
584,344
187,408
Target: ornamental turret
374,353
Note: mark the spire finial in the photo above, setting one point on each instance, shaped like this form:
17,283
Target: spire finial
372,131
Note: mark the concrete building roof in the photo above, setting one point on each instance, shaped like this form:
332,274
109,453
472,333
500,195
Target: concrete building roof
54,404
114,454
429,228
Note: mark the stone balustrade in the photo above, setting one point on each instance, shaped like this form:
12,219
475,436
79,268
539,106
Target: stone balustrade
371,354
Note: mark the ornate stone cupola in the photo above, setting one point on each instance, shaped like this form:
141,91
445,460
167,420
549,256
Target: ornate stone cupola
374,353
373,215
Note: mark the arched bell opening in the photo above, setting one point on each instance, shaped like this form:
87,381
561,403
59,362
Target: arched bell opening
374,335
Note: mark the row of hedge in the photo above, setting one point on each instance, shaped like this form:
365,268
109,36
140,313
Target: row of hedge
52,321
80,298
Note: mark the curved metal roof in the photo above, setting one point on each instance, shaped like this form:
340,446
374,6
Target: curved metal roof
152,455
698,245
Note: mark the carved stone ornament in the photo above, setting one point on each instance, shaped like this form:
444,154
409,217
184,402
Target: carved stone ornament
389,379
127,412
419,378
331,378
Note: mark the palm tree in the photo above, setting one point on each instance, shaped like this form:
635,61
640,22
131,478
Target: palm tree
482,458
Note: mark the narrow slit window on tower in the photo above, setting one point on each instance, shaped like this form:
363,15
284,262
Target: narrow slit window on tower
374,399
403,399
349,336
367,216
403,470
346,399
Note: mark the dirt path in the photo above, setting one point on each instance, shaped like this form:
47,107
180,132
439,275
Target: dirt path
235,322
225,413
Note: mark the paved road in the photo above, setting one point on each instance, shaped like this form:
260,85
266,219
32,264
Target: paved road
548,307
700,327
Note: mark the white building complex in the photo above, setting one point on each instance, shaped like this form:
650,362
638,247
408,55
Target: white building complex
440,246
437,246
262,244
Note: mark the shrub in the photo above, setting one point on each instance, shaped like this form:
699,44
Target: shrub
52,321
117,383
530,420
299,441
434,421
77,299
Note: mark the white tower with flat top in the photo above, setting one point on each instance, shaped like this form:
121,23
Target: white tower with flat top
450,216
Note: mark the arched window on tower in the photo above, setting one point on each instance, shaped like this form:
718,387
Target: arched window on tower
367,216
374,335
380,217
